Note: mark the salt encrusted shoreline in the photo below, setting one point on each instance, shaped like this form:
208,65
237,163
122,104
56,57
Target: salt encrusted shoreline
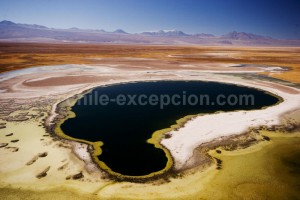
206,128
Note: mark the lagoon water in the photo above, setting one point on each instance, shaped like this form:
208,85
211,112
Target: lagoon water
125,129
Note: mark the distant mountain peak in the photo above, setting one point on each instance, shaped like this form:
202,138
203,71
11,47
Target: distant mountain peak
6,22
234,35
10,23
120,31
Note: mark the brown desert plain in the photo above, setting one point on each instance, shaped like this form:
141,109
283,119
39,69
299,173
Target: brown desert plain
228,155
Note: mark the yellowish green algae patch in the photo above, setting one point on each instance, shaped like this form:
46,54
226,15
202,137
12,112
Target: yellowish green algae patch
268,170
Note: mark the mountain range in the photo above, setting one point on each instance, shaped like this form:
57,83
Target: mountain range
10,31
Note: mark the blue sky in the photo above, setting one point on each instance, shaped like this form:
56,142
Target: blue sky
277,18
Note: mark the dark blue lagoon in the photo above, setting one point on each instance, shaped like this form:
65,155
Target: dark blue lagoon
124,124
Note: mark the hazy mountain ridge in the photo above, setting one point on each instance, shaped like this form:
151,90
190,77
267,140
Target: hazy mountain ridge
245,36
31,32
35,26
165,33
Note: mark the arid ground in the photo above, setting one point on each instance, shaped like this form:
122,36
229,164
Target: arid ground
231,155
22,55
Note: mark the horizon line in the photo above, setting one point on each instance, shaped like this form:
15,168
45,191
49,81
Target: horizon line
140,32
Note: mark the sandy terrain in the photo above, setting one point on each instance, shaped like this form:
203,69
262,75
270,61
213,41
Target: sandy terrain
32,159
22,55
